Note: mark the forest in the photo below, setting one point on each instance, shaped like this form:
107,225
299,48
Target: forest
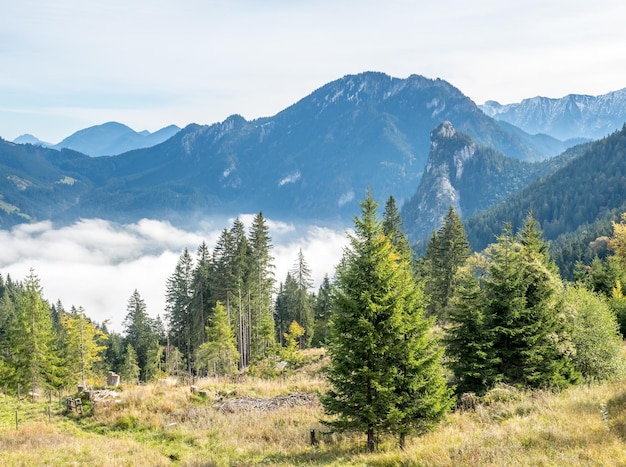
408,338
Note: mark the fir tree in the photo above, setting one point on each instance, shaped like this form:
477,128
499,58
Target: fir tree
179,295
218,355
385,371
446,252
303,304
83,345
322,313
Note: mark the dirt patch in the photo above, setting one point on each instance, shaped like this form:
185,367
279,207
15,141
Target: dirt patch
240,404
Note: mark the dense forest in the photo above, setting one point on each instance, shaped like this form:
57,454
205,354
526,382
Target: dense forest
574,205
500,316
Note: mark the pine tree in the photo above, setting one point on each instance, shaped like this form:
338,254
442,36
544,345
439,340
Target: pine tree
303,304
322,313
508,324
178,298
385,371
218,355
83,345
201,296
447,251
392,228
130,369
140,334
34,354
469,335
261,284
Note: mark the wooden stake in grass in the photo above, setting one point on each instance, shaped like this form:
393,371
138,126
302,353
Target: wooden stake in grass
16,420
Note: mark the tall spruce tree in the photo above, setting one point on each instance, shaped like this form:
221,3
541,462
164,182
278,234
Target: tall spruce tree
448,251
508,325
392,228
34,353
178,298
140,333
83,346
322,313
385,370
218,355
261,285
303,302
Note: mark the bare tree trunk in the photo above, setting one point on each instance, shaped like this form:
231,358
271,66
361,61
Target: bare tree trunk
371,442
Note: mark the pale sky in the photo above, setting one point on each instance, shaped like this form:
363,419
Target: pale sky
70,64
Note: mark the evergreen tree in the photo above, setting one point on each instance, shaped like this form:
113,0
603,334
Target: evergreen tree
261,284
222,271
322,312
285,306
508,326
32,342
140,334
392,228
130,369
446,252
178,298
83,346
201,296
470,335
241,291
385,371
218,355
303,303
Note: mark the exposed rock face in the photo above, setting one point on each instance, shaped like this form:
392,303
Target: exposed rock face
449,152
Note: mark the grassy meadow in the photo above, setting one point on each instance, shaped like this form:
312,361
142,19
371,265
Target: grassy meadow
250,421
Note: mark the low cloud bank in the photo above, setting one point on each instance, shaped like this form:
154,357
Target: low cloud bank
98,264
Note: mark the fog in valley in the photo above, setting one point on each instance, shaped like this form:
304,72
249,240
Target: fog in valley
98,264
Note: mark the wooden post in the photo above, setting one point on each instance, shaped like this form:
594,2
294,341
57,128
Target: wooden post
16,420
49,413
314,441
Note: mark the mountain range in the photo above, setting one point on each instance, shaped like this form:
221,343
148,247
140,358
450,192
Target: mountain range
421,140
110,138
573,116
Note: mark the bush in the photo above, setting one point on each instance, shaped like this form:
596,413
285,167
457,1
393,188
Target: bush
594,334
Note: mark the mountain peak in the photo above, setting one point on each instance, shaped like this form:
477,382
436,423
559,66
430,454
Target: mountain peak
444,130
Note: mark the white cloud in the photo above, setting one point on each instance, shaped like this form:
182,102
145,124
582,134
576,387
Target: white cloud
98,264
345,198
291,178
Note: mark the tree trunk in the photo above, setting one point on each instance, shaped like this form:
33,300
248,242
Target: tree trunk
371,442
402,441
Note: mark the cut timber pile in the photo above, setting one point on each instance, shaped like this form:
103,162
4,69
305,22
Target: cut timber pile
241,404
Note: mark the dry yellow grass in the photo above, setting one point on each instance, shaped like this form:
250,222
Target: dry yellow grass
168,425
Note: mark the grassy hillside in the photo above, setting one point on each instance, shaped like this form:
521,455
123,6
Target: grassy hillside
251,421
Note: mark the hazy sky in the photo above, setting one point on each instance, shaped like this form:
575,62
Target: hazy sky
70,64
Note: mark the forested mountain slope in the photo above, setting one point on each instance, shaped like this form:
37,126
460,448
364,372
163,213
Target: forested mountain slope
589,189
311,161
468,177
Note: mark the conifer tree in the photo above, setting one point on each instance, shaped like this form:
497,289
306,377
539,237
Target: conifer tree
261,284
130,369
218,355
470,334
447,251
303,301
385,371
141,335
83,345
508,325
34,354
179,295
392,228
322,313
